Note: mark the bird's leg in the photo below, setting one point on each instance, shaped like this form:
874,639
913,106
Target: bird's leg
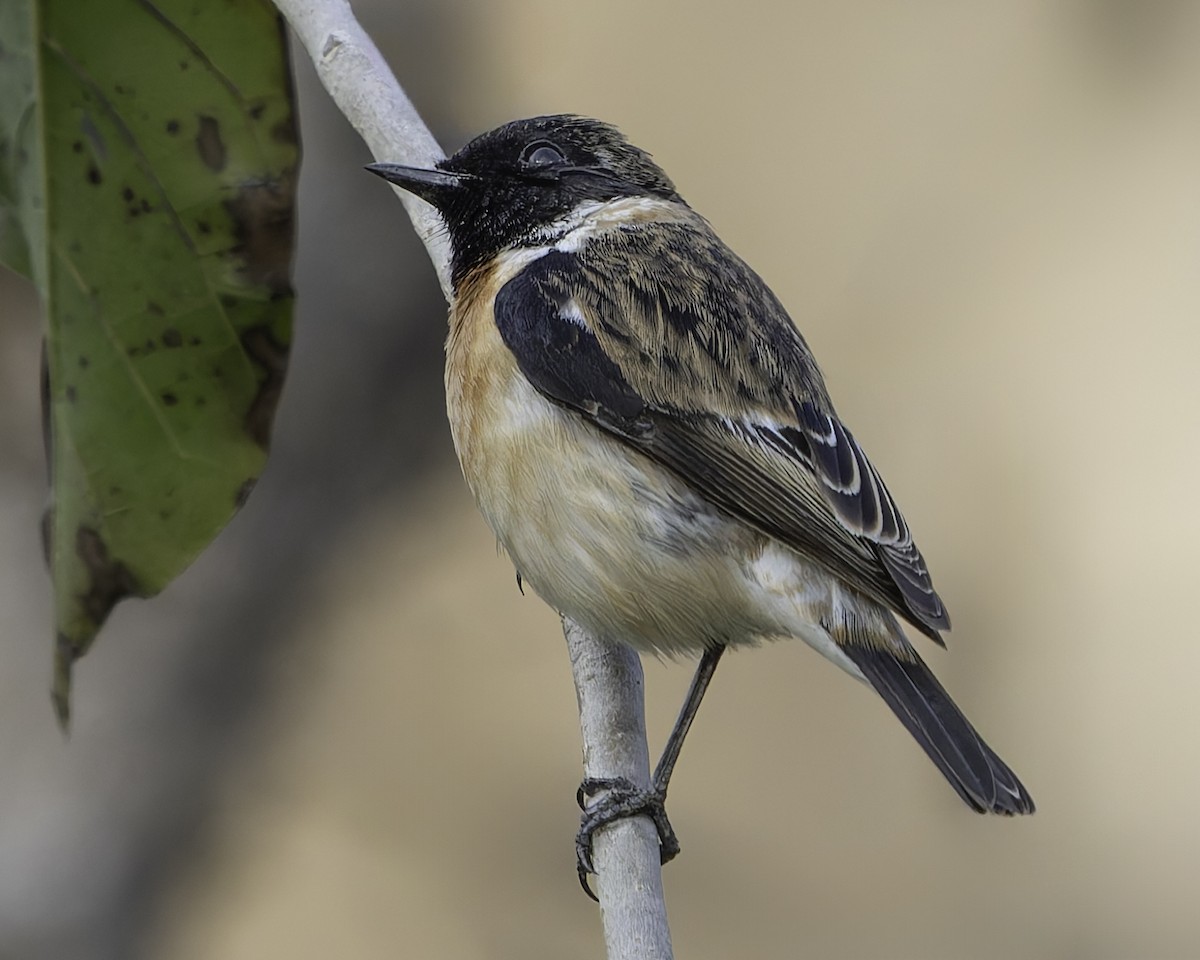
624,799
683,723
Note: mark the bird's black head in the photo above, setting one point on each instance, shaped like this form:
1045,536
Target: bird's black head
505,187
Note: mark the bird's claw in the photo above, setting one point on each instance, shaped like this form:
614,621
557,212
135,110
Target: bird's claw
621,799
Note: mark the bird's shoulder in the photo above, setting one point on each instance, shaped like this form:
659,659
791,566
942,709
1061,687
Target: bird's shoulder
689,323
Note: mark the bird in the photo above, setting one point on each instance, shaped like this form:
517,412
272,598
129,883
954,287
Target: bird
648,434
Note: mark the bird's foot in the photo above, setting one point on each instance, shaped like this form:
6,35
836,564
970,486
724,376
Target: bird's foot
621,799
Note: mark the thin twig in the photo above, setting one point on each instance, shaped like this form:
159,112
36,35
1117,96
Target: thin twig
608,685
354,72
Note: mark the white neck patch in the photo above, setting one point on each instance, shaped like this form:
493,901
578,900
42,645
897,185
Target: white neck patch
600,216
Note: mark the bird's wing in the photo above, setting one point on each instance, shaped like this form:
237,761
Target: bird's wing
665,339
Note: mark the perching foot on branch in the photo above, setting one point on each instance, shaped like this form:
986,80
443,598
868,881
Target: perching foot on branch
622,799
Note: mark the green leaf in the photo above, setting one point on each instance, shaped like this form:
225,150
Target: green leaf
21,192
148,159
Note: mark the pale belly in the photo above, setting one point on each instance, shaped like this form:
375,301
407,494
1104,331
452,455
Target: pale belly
629,555
613,541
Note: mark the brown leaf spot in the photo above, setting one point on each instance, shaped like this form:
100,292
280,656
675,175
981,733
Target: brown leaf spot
263,221
127,194
209,144
172,338
243,493
285,131
172,127
169,399
93,175
110,580
271,359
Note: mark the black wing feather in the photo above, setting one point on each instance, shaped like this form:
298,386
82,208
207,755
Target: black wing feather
864,503
559,356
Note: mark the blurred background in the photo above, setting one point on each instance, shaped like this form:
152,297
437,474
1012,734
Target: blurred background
343,732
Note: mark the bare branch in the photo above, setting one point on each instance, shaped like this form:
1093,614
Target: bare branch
357,77
608,685
608,677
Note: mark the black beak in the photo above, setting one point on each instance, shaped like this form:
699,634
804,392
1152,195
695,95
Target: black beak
433,186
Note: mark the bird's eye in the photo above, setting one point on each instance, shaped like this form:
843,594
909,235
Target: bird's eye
541,153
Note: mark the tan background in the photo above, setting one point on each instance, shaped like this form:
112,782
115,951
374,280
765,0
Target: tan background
986,220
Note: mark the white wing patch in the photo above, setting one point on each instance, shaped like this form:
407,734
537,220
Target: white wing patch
574,313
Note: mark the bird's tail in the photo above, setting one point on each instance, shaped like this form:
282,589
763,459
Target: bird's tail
981,778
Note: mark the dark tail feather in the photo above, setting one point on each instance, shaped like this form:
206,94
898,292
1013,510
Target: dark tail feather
981,778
